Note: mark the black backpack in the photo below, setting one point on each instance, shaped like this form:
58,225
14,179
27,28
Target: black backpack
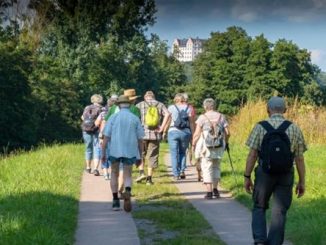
182,120
90,114
275,154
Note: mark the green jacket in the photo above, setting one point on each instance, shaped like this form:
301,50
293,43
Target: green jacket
114,109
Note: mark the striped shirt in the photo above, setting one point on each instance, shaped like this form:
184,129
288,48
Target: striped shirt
298,145
162,111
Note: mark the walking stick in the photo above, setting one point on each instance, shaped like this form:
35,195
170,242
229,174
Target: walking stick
231,163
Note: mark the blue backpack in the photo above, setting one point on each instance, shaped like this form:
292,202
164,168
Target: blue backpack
182,120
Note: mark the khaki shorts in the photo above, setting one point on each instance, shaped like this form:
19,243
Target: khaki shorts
210,169
151,150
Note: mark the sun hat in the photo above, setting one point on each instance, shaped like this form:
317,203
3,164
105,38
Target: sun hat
96,98
276,103
123,99
131,93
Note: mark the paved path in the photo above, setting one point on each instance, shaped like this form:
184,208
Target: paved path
97,223
229,219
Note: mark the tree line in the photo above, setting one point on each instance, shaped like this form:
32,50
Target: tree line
235,68
56,54
52,61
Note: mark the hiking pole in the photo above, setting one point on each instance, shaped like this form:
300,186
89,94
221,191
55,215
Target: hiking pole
231,163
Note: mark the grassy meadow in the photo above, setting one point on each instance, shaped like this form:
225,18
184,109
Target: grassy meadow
307,215
39,194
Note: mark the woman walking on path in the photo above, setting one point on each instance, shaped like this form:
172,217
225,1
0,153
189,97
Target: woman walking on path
179,134
210,154
91,132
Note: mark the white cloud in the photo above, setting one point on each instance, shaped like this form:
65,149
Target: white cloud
242,11
317,55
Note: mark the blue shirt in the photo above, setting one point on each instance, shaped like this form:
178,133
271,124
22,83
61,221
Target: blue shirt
124,130
174,114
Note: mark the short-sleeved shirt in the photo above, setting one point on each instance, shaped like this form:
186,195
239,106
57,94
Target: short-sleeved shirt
162,111
298,145
174,115
124,130
214,117
114,109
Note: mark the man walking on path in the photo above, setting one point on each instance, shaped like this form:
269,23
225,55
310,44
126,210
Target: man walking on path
124,134
275,150
153,126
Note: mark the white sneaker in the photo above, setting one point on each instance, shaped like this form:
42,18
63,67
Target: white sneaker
141,178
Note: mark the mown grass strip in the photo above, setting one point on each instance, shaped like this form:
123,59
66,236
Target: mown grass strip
307,215
163,216
39,194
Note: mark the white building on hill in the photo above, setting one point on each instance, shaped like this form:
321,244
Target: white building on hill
186,50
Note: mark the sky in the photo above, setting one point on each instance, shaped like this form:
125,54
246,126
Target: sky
301,21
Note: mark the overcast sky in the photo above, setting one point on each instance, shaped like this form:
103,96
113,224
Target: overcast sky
302,21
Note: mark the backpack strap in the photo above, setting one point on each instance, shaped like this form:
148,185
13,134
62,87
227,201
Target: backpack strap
177,108
266,125
284,126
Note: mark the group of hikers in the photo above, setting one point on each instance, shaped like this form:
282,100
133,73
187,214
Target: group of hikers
122,134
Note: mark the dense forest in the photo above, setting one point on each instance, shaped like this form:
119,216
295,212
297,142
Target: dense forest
55,54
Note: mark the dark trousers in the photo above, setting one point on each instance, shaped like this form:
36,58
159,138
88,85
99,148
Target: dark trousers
281,187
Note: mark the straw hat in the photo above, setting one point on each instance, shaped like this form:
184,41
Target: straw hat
131,93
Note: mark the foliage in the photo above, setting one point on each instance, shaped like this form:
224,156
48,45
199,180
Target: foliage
235,68
18,118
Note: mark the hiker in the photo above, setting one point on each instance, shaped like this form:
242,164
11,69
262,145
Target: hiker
123,132
131,94
100,122
179,135
275,150
209,141
91,132
154,117
189,150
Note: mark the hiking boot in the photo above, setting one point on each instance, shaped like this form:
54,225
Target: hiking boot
182,175
88,170
127,201
140,178
149,181
209,195
96,172
106,176
216,194
116,205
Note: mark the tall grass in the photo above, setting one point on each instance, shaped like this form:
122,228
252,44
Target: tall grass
39,194
310,119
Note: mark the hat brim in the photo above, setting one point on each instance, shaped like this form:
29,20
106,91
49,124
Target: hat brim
123,101
133,97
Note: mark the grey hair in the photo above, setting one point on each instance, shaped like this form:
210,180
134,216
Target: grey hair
209,104
185,96
178,98
96,98
124,105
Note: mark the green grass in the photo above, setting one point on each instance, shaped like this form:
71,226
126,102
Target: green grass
306,217
163,216
39,194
